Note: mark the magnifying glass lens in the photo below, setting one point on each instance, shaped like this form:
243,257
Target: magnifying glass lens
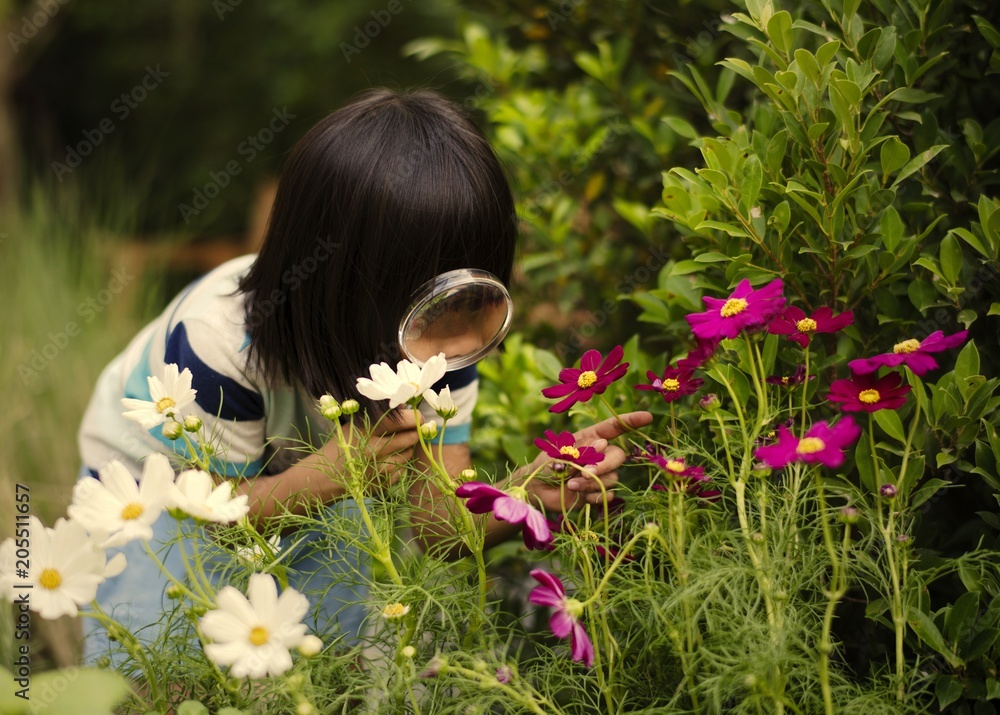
463,314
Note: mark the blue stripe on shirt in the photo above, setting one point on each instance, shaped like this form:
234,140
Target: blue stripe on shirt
217,394
457,379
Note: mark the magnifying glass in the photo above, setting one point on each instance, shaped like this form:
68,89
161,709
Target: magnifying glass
463,313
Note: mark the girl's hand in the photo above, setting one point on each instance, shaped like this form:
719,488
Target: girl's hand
388,449
580,488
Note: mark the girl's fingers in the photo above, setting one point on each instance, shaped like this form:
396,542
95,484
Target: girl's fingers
589,484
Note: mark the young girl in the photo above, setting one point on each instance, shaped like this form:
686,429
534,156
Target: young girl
378,198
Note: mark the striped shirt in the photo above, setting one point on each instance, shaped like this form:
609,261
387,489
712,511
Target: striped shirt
257,429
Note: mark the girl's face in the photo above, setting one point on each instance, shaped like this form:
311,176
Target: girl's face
458,331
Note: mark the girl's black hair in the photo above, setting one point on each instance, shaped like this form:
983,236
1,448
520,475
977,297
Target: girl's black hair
381,196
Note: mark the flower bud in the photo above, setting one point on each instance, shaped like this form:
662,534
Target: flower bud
438,665
479,666
650,530
173,430
849,515
749,680
504,674
104,662
429,430
760,470
468,475
709,402
310,646
903,538
888,491
350,406
757,537
192,423
174,591
329,407
394,611
408,651
305,708
295,681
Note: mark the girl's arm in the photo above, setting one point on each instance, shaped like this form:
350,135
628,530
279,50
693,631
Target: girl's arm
315,480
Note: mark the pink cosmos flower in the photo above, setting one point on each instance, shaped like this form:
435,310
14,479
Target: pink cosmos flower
510,506
565,621
563,446
745,309
866,393
676,383
704,350
912,353
591,378
821,443
677,469
799,327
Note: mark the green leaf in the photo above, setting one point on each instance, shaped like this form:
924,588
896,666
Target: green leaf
589,64
850,7
951,258
635,213
948,690
994,309
992,688
70,691
729,228
890,423
925,629
917,162
712,257
808,64
914,473
891,227
753,176
826,52
928,490
865,462
962,612
987,30
894,155
967,362
779,29
780,217
681,127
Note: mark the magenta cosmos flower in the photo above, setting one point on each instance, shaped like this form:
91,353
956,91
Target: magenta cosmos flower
822,443
674,384
866,393
912,353
800,327
704,350
565,621
591,378
746,308
510,506
563,446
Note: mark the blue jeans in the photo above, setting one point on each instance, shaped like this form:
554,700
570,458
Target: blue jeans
332,575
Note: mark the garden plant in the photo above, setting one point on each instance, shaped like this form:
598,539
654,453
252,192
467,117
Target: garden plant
810,524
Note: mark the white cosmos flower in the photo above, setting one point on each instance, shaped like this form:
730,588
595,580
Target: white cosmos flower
168,398
442,403
64,569
197,495
253,635
406,385
118,506
256,555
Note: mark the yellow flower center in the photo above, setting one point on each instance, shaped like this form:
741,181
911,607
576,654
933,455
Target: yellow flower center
50,579
674,465
586,379
733,306
589,535
671,385
164,404
132,511
395,610
519,493
806,325
869,396
784,380
259,635
810,445
571,452
907,346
